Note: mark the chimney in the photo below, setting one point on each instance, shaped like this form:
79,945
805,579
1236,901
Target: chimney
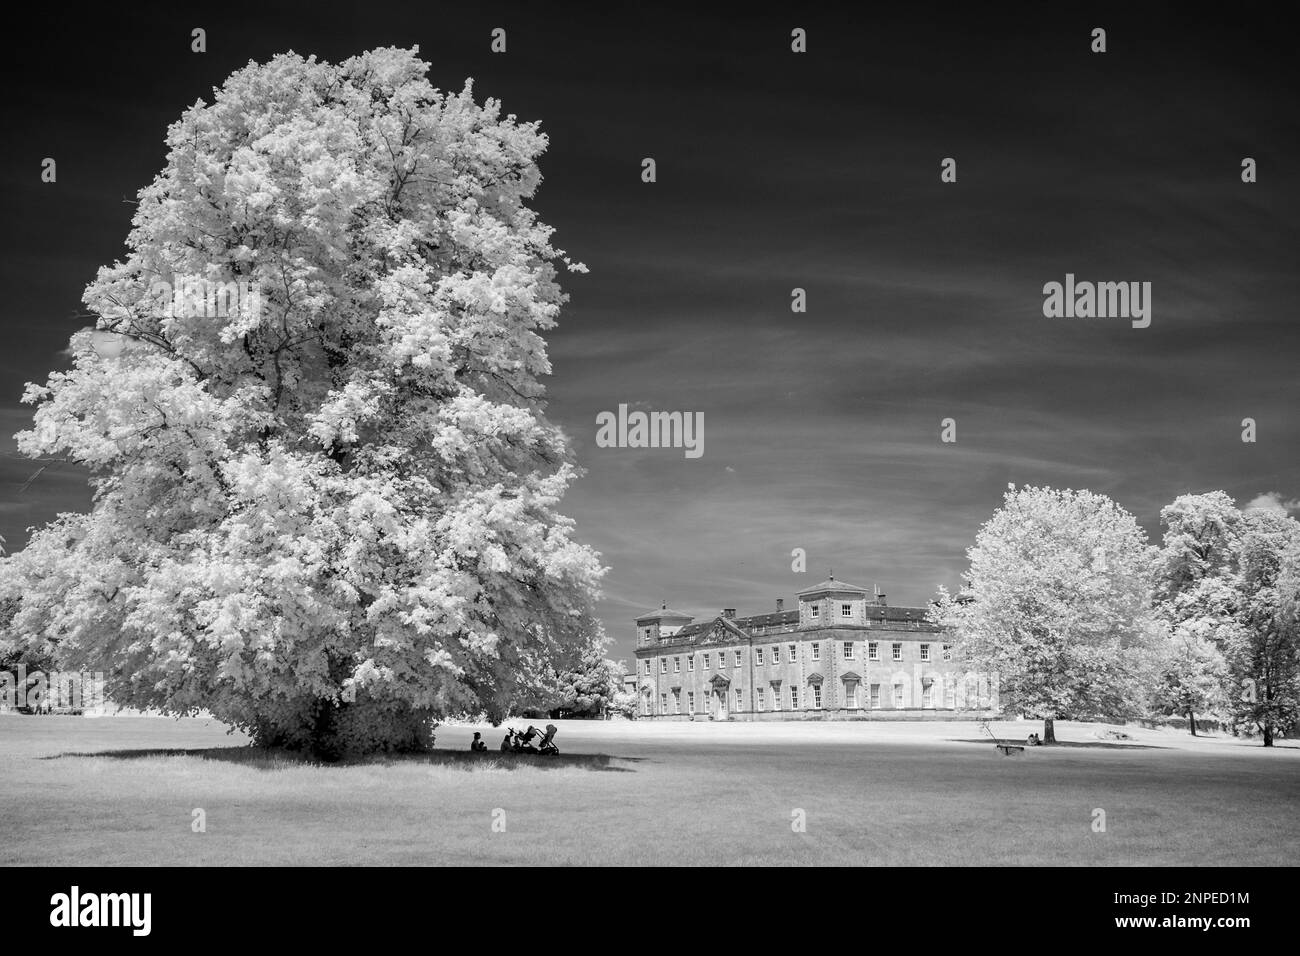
880,599
780,605
729,613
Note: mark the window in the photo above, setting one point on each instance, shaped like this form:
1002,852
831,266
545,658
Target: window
817,696
776,697
706,661
815,610
846,610
739,700
776,653
647,666
677,665
663,665
925,652
851,694
794,654
873,651
690,701
817,650
648,632
677,702
663,703
898,652
758,698
758,656
737,658
848,650
690,663
794,697
950,696
898,695
874,699
947,652
927,696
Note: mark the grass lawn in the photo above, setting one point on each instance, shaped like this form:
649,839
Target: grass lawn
121,790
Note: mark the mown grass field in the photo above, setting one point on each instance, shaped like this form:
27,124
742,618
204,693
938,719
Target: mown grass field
123,791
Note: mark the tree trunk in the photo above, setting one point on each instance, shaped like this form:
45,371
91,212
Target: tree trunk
1049,731
1268,735
1191,721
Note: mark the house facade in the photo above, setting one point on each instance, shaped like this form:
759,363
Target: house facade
842,653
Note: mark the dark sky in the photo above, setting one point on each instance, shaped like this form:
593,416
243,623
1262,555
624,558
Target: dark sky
779,170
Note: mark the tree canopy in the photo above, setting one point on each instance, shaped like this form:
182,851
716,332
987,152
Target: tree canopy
328,512
1057,603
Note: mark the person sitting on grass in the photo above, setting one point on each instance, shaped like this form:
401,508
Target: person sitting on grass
1033,740
507,740
477,745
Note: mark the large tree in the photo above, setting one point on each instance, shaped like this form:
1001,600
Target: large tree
1263,652
1057,603
328,512
1197,600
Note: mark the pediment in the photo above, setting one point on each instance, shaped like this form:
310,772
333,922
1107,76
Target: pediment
720,680
815,678
851,676
722,631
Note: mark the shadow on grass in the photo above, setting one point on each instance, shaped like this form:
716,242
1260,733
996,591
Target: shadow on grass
270,759
1079,744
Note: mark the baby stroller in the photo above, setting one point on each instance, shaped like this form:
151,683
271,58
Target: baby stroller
524,741
547,744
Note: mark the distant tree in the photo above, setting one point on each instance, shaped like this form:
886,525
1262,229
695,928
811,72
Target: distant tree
625,702
589,688
326,495
1057,603
1192,672
1196,600
1263,651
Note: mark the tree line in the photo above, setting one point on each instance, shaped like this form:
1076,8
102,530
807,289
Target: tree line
1082,618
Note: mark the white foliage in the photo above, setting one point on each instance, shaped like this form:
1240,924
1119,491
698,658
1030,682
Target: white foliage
353,487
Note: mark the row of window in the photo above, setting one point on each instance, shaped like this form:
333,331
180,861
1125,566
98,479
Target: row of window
773,654
792,696
815,610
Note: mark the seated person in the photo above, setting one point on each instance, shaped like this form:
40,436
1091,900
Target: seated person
477,744
1033,740
507,740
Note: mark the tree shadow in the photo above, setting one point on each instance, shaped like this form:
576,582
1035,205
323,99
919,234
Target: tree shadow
273,758
1077,744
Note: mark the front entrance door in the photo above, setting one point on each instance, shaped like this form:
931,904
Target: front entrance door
721,712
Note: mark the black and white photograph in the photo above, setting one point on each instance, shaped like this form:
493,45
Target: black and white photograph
650,436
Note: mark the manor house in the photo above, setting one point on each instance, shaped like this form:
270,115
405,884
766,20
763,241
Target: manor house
844,653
